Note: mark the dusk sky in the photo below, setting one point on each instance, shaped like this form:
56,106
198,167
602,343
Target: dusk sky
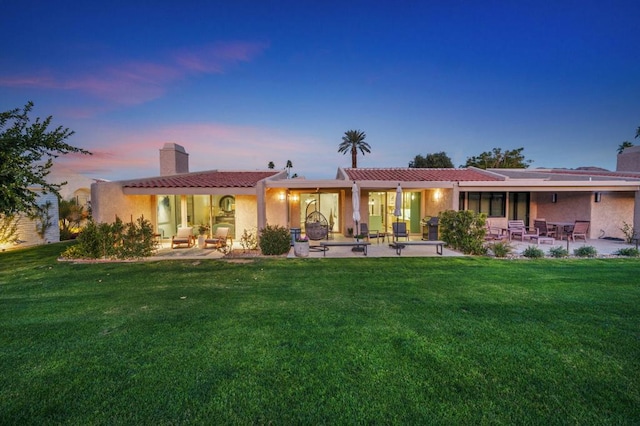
241,83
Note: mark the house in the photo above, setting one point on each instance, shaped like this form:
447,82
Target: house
43,229
251,199
24,230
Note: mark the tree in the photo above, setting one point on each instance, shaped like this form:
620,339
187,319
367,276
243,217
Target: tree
23,146
70,215
638,132
497,159
437,160
289,166
271,165
623,145
352,141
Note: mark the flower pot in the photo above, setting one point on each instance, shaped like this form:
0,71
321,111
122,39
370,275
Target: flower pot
201,239
301,249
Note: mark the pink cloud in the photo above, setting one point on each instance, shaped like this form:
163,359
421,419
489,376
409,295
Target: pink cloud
138,82
210,146
216,58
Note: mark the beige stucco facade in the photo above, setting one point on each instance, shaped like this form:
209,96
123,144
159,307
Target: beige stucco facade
555,195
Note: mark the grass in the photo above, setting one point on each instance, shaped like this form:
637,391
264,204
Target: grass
339,341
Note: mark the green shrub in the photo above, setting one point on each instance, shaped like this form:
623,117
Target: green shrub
533,252
463,230
629,232
274,240
249,240
558,252
114,241
628,251
586,251
500,248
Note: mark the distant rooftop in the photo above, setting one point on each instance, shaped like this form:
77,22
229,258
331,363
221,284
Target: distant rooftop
420,175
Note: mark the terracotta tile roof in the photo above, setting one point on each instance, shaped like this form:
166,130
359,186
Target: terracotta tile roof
419,175
210,179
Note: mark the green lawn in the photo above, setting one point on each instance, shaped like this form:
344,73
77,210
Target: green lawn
337,341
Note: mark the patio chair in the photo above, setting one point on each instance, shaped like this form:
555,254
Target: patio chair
580,229
544,229
516,227
183,236
493,233
316,226
219,239
370,233
400,230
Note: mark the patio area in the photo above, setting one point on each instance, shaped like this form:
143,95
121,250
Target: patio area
604,247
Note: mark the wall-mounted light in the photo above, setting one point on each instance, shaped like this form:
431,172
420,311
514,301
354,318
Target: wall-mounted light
598,197
554,197
437,195
282,196
295,198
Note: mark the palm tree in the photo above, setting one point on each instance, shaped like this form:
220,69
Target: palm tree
623,145
289,166
352,141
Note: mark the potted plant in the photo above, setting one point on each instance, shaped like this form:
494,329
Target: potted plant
301,246
202,230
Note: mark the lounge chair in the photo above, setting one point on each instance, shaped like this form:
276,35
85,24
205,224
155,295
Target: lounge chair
400,230
370,233
516,227
580,229
544,230
183,236
219,239
493,233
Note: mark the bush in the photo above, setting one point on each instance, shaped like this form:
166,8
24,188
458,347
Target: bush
463,230
558,252
500,248
629,232
249,240
274,240
628,251
533,252
117,240
586,251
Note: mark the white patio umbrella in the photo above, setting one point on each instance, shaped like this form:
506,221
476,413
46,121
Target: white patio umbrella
397,211
355,200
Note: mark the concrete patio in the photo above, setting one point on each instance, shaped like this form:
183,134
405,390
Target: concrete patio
604,247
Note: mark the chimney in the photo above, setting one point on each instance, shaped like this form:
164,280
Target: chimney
173,160
629,160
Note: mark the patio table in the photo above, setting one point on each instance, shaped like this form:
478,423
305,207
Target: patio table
560,227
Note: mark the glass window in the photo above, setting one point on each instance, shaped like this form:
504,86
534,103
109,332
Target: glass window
490,203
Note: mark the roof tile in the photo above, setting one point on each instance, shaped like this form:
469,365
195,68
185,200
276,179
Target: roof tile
211,179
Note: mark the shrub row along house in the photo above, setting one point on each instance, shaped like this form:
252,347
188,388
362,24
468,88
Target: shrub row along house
249,200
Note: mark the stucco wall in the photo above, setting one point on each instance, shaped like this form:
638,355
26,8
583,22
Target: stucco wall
570,206
27,228
276,206
608,215
246,214
108,201
435,201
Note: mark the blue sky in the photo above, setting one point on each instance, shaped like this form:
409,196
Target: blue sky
242,83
